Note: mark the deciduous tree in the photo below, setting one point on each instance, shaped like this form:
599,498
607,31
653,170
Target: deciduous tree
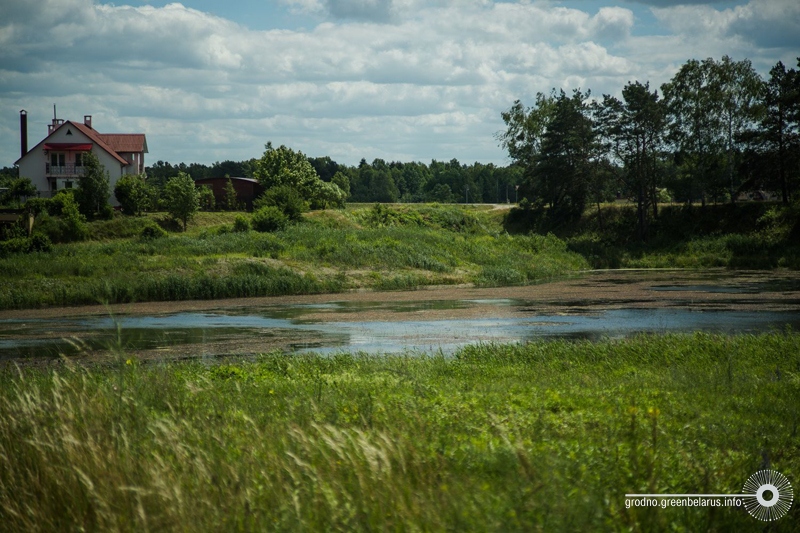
181,198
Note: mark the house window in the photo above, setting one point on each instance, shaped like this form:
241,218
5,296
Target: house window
67,184
78,159
58,160
69,131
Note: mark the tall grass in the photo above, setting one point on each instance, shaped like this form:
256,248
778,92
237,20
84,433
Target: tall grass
538,437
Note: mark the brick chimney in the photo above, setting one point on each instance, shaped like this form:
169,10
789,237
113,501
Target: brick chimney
23,132
87,120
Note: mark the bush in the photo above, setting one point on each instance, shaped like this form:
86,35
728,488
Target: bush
37,206
14,246
286,199
55,205
151,232
37,243
241,224
73,223
40,243
133,194
269,218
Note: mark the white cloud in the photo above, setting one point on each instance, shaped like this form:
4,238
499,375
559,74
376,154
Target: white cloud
764,23
400,79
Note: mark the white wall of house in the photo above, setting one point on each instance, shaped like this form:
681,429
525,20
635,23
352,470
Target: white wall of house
34,164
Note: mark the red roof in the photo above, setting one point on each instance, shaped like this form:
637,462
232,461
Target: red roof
97,138
125,142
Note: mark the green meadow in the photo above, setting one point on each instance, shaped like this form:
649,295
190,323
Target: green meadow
385,247
547,436
371,247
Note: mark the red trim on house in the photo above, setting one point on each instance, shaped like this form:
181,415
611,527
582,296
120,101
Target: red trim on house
68,147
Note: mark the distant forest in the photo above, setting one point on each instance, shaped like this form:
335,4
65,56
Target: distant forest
381,181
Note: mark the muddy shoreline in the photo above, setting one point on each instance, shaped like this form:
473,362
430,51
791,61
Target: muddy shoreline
413,318
595,290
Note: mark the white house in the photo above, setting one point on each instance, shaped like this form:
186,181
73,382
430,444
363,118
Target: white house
57,161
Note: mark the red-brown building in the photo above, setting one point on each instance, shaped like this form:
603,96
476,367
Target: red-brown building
247,189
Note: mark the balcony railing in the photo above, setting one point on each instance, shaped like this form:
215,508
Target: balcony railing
63,170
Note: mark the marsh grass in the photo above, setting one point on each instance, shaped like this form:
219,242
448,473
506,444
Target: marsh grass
540,437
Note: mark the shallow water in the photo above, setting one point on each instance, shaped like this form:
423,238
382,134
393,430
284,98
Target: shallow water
300,327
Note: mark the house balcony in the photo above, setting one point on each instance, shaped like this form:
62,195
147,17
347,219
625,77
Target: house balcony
63,171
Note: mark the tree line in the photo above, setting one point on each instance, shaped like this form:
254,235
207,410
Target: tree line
716,130
381,181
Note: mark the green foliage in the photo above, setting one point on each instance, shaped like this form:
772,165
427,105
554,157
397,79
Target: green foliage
286,199
230,200
206,198
36,243
326,195
133,194
475,442
284,169
269,218
560,172
330,251
284,166
341,180
37,205
93,187
241,224
18,188
62,222
118,227
152,231
181,198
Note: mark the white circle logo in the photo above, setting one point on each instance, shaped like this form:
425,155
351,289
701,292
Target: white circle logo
773,495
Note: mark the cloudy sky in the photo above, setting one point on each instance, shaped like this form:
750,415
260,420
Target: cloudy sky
210,80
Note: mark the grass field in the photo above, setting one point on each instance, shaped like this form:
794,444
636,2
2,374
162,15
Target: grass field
540,437
387,247
369,247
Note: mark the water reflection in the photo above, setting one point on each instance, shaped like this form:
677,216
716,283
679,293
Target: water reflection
261,329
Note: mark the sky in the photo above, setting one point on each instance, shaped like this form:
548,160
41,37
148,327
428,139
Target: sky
400,80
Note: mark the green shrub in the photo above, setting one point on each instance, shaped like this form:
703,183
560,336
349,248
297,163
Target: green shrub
40,243
73,223
269,218
133,194
55,205
37,205
14,246
152,231
241,224
286,199
20,245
